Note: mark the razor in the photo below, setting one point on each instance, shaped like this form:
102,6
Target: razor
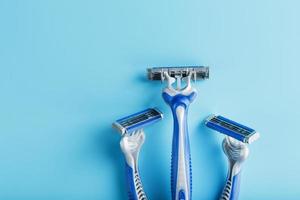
179,94
133,137
236,149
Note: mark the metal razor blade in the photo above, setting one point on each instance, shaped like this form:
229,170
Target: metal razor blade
196,72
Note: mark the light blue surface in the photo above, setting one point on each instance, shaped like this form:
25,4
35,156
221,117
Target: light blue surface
68,69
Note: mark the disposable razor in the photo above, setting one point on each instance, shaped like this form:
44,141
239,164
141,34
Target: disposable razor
133,137
236,149
179,98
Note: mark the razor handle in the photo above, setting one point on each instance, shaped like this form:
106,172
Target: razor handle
131,146
181,169
134,184
232,186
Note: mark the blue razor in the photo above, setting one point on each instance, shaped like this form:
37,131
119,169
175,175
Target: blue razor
179,98
133,137
236,149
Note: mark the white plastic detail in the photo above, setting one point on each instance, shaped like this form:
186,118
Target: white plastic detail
184,91
237,152
182,178
131,146
253,137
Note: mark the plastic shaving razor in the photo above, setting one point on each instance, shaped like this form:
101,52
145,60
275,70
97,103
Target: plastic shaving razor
236,149
133,137
179,98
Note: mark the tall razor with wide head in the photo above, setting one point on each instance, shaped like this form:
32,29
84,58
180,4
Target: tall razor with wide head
235,148
133,137
179,98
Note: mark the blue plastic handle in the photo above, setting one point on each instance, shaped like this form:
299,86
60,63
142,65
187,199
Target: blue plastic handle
232,188
134,184
181,169
132,194
235,190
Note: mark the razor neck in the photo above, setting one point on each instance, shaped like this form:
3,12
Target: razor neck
234,169
236,152
175,99
178,88
132,160
131,146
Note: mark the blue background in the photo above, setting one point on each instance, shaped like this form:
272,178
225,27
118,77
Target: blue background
68,69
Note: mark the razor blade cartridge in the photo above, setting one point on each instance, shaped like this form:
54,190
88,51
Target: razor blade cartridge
196,72
232,129
131,123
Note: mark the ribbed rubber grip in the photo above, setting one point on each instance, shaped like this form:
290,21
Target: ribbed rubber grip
139,187
231,189
134,184
227,190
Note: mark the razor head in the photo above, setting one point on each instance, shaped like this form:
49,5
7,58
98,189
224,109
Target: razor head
137,121
232,129
196,72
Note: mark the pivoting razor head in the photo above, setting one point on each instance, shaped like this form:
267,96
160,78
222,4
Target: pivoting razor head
196,72
232,129
131,123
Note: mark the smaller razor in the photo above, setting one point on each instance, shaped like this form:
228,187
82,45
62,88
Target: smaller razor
236,149
133,137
